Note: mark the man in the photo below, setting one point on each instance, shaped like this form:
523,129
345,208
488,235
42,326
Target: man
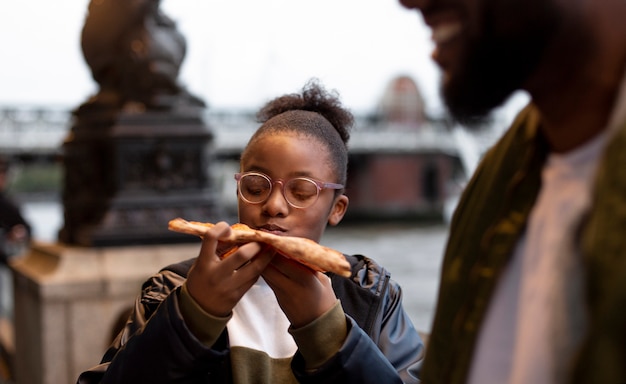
14,229
533,284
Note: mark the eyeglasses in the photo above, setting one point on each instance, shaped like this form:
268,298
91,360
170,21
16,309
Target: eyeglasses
299,192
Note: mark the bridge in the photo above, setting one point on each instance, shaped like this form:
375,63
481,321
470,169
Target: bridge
34,132
432,161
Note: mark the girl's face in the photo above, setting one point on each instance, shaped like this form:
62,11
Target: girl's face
282,157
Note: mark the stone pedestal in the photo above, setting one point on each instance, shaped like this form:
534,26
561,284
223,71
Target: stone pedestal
67,299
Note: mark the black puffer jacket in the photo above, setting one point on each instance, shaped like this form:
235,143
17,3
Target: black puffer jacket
163,350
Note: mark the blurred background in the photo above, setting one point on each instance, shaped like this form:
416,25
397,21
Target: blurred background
239,54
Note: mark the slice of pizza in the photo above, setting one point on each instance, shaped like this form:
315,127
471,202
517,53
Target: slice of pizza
305,251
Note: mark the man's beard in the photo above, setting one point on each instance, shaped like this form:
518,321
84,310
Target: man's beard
493,69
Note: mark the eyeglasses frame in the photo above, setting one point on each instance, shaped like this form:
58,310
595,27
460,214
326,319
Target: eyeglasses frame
321,185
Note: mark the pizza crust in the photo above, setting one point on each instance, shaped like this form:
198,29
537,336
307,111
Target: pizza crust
305,251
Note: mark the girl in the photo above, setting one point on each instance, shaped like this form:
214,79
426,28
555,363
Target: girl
257,316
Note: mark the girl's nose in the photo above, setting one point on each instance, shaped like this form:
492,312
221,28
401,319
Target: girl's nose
276,204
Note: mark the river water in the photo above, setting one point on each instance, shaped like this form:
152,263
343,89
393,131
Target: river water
412,252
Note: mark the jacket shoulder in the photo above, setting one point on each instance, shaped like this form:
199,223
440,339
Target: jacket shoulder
161,284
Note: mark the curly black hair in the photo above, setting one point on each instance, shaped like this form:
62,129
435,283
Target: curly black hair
315,113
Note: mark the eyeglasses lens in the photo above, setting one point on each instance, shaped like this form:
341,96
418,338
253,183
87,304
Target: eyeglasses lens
301,192
254,188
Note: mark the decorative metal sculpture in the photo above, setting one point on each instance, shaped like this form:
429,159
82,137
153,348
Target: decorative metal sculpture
135,53
138,150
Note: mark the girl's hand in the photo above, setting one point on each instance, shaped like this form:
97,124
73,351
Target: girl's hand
303,294
217,284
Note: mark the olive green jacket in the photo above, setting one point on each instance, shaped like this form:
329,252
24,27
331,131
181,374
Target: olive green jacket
490,218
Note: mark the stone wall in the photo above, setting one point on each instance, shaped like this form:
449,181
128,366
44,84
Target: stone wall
67,299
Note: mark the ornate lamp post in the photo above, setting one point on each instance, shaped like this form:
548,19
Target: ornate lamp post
138,151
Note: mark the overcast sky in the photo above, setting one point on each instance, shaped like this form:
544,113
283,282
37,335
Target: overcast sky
240,52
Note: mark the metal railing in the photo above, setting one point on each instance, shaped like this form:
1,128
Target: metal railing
35,130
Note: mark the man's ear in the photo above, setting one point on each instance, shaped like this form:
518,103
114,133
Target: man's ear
340,206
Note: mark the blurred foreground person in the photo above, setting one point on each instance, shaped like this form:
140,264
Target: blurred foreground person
256,316
533,284
15,234
14,229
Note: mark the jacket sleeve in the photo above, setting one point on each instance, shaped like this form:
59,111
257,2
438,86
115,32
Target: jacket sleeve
399,341
156,332
374,301
358,361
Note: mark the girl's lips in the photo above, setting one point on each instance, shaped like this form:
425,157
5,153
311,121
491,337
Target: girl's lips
273,229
